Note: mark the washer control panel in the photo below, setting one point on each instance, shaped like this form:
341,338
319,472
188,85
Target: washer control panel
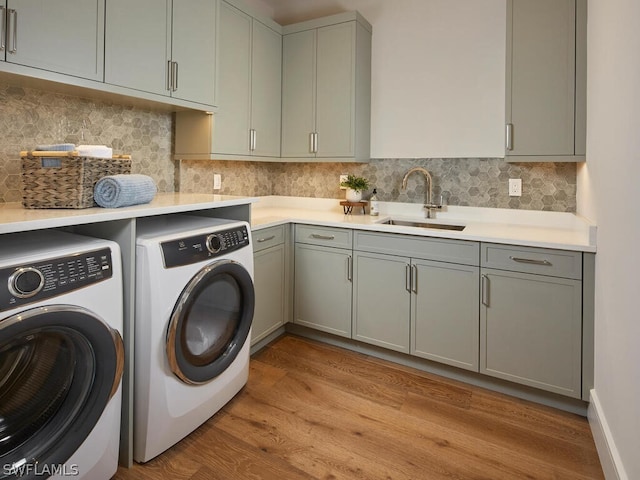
199,248
29,283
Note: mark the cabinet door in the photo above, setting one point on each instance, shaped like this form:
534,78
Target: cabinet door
269,282
138,44
322,295
231,122
541,103
445,313
335,102
298,93
381,300
65,36
530,330
266,89
193,49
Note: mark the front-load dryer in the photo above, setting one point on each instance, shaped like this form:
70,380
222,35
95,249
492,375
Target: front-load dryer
193,314
61,356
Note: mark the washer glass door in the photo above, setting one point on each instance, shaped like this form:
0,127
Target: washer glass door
59,367
210,322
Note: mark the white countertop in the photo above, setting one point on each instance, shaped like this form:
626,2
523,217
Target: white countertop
565,231
560,230
15,218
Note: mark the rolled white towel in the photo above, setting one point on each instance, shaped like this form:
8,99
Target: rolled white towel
115,191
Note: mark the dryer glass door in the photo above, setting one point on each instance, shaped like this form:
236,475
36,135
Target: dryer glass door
210,322
59,366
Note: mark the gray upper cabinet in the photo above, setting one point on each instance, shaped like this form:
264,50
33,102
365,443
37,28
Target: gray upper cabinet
546,80
165,48
246,124
66,36
326,89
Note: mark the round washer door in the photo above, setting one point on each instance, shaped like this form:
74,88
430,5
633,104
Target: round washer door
210,322
59,367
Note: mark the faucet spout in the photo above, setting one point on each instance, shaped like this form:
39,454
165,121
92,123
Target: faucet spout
428,205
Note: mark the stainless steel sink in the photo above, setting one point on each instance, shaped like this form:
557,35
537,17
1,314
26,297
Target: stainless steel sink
440,226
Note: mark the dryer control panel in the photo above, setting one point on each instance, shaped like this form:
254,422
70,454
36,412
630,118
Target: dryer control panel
199,248
29,283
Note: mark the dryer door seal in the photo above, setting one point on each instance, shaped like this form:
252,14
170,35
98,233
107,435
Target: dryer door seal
210,322
59,367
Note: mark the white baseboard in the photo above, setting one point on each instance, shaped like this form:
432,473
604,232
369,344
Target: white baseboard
607,451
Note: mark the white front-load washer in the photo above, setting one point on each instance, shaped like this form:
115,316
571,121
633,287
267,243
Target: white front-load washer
193,314
61,355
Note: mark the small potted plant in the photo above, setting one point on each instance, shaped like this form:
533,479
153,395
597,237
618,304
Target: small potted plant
355,186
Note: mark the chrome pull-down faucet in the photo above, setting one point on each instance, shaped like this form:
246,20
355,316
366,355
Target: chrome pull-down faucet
428,205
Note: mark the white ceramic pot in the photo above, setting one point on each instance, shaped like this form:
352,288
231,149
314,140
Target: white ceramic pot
353,195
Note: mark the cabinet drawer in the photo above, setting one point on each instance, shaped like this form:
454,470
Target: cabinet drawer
439,249
327,236
543,261
268,237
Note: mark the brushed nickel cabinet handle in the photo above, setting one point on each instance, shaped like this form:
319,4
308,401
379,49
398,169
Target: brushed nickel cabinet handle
414,278
3,22
175,76
266,239
315,142
323,237
531,261
407,277
169,74
349,268
485,290
311,142
13,34
509,136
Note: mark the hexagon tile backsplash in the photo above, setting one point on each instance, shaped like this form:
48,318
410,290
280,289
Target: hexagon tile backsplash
461,181
31,117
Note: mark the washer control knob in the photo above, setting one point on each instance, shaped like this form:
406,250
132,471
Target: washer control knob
214,243
26,282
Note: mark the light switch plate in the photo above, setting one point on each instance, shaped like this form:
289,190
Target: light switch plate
343,178
217,181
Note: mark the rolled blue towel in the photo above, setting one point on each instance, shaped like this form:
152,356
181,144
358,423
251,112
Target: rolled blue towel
114,191
57,147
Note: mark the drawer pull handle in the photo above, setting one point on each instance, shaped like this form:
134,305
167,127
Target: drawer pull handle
260,240
323,237
531,261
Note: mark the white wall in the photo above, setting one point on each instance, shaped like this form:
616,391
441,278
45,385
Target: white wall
609,193
438,73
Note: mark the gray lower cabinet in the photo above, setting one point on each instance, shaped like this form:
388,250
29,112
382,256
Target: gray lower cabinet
415,305
270,282
381,300
323,279
445,312
531,323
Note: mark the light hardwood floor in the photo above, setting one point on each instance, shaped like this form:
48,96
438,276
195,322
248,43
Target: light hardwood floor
312,410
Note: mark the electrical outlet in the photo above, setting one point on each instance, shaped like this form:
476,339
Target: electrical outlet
217,181
343,178
515,187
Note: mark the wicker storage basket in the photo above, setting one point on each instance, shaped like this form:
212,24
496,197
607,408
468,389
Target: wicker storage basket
65,179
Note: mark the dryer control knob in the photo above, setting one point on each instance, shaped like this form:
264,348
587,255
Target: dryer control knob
214,243
26,282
